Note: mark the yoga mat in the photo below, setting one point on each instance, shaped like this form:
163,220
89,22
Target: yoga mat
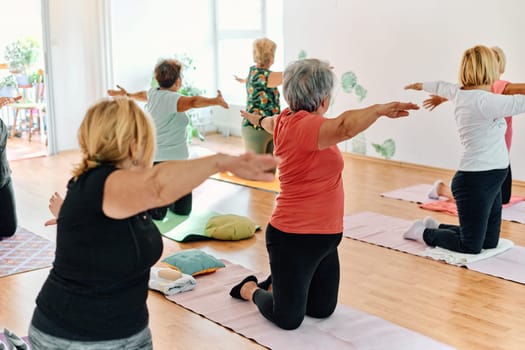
347,328
272,186
185,228
513,211
387,231
25,251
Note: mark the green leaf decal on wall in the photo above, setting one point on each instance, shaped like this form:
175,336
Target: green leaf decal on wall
302,55
387,149
348,82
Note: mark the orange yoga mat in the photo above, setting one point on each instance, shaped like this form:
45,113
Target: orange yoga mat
272,186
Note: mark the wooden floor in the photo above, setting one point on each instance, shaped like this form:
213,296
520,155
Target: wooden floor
465,309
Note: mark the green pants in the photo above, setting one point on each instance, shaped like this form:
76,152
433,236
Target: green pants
257,141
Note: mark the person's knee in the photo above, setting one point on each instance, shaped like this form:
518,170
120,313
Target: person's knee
321,312
289,323
472,249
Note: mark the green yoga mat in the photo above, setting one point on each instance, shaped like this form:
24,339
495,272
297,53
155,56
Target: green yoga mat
185,228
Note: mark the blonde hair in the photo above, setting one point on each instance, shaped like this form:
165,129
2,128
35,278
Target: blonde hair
263,51
501,58
115,130
479,66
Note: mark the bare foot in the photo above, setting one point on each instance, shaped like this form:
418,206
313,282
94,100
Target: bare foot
444,191
55,203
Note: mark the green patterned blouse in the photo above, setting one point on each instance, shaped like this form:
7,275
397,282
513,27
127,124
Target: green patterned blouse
262,100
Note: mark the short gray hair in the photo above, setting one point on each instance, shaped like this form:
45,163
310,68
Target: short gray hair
306,83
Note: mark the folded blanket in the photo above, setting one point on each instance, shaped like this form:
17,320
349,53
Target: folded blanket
449,206
168,286
462,259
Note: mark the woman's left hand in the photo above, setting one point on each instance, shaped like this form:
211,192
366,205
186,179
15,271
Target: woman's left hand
396,109
220,100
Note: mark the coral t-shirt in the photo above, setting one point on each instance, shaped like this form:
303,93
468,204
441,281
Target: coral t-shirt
312,197
498,87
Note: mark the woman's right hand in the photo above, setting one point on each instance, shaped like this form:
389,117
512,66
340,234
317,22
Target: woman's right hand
120,92
414,86
239,79
252,117
55,203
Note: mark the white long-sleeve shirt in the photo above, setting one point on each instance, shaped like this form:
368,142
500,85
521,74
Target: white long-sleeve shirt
481,125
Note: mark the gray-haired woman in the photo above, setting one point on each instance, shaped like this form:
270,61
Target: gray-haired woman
307,223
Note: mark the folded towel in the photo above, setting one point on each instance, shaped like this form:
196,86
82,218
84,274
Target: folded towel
462,259
170,287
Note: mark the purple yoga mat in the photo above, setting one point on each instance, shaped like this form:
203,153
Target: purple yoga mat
25,251
387,231
347,328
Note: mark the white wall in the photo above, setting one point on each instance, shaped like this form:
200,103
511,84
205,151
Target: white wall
389,44
75,58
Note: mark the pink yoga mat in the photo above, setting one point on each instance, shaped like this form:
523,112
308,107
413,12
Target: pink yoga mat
513,211
387,231
25,251
347,328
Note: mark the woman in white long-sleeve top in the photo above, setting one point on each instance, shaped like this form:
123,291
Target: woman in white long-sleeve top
476,186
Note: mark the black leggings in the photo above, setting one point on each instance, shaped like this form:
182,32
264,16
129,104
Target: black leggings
506,187
182,206
305,277
8,221
478,198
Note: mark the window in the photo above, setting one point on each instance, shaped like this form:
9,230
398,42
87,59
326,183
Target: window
237,25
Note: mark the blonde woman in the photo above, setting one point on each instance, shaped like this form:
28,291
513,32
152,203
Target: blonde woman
262,96
95,294
440,189
476,186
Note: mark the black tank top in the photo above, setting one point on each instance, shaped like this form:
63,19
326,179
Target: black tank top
98,285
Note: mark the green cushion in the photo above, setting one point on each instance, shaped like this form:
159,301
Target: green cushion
230,227
193,262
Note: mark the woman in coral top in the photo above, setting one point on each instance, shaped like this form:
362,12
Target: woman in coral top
307,223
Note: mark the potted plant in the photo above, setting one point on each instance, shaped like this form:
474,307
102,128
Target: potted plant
8,86
21,55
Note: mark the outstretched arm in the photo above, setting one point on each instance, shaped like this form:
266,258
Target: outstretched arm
139,95
275,79
189,102
128,192
514,89
352,122
267,123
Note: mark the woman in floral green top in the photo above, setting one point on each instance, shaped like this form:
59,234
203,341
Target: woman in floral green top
262,96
